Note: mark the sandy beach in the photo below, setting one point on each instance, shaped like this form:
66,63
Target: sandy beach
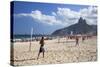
63,52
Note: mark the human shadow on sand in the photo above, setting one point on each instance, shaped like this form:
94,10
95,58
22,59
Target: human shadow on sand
23,60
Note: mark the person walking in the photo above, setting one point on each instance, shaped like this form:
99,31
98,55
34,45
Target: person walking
41,50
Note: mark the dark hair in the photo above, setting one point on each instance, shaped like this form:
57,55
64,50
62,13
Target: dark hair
42,38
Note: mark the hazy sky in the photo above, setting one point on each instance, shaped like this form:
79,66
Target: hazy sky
45,18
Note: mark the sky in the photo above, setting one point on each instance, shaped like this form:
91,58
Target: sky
45,18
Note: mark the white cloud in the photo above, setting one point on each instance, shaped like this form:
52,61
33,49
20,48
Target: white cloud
64,16
90,14
39,17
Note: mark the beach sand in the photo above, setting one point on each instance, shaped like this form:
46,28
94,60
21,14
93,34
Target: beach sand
63,52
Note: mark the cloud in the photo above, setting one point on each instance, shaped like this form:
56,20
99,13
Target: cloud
42,18
64,16
37,15
67,16
90,14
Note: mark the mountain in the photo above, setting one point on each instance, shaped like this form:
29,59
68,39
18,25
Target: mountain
79,28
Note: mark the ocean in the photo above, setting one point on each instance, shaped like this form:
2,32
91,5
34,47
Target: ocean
28,36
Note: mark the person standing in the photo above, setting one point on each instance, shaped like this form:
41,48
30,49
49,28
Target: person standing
77,40
83,38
